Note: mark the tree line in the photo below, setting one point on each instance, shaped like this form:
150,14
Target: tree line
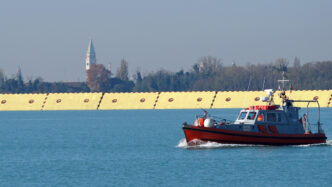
208,73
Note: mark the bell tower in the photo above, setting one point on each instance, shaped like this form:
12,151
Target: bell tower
90,56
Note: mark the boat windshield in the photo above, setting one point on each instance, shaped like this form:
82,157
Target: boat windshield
242,115
251,115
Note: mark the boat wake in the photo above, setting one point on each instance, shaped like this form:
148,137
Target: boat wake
199,144
328,143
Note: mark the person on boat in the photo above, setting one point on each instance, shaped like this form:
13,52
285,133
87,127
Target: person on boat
282,95
260,117
200,121
289,103
205,114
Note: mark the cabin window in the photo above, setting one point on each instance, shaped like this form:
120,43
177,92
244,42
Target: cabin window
251,115
278,117
242,115
281,117
271,117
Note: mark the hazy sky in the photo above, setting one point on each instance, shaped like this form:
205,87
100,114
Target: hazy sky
50,38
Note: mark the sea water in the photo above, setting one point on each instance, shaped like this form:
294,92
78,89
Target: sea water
146,148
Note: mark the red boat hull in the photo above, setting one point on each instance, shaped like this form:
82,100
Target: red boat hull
240,137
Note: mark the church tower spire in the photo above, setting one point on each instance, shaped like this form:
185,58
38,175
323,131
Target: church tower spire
90,56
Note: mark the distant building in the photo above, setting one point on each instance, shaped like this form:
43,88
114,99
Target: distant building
90,56
94,70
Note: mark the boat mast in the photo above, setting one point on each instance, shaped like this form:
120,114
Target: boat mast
263,83
281,86
283,81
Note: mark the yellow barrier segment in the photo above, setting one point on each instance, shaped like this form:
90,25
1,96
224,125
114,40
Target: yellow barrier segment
15,102
72,101
121,101
185,100
321,95
153,100
329,104
240,99
245,99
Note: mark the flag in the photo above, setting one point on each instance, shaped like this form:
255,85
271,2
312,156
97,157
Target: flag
301,121
291,88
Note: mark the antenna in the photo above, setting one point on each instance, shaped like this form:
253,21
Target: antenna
245,99
264,83
283,81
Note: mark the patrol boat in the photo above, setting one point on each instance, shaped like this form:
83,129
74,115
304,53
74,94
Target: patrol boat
268,124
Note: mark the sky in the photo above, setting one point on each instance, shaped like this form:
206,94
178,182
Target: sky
49,39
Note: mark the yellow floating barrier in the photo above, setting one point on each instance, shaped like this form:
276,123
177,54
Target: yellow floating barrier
329,102
154,100
121,101
16,102
238,99
245,99
321,95
185,100
72,101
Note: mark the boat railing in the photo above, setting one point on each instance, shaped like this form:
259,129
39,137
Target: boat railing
307,124
314,128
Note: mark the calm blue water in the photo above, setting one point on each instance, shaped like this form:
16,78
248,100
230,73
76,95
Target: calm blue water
145,148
